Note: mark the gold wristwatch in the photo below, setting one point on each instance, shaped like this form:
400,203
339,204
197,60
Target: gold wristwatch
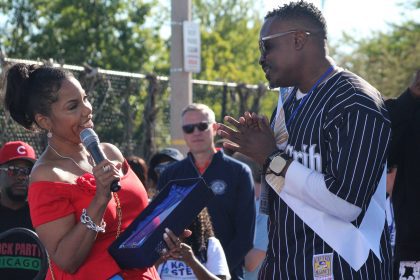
277,164
274,166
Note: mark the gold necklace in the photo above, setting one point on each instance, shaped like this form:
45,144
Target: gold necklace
116,198
64,157
119,213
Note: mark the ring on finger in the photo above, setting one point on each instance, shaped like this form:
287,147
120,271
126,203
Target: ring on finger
106,168
178,243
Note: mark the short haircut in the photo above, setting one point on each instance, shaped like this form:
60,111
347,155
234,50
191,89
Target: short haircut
201,108
301,11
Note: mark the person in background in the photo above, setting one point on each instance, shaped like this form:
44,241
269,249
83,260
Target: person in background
232,210
199,256
139,166
404,155
255,257
157,163
323,155
16,161
389,208
72,208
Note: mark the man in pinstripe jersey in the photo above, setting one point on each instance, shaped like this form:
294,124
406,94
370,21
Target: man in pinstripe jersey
324,163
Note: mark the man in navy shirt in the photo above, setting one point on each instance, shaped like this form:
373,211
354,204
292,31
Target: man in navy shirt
232,210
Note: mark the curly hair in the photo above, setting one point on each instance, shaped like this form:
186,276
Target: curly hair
31,89
202,230
301,11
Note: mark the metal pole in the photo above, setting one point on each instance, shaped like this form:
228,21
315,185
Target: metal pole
224,103
180,82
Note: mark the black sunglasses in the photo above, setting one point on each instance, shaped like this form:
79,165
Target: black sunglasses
262,42
16,171
189,128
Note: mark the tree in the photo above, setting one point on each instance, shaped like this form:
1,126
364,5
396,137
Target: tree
229,35
386,60
106,34
229,48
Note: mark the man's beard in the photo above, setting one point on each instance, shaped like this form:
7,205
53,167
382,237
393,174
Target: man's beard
15,197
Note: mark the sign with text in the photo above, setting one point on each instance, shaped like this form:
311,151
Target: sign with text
192,47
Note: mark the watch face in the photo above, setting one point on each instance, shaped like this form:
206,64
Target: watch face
277,164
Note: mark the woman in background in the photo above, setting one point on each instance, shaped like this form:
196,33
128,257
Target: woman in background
199,256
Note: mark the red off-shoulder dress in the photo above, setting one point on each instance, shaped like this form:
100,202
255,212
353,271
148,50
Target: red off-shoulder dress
49,201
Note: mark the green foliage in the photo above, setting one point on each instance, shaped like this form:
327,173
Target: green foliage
229,52
386,60
108,34
229,37
20,22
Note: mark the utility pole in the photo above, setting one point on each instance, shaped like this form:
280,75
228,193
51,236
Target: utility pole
180,82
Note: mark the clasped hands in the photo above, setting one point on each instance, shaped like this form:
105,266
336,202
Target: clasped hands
251,135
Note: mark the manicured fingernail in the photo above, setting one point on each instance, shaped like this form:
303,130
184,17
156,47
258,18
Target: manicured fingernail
167,229
165,235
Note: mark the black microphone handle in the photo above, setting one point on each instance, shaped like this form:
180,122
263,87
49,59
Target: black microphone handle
98,156
115,186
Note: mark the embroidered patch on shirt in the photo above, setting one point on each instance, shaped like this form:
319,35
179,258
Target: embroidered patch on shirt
409,270
323,266
218,187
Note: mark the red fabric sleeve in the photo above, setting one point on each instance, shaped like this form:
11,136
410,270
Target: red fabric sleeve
49,201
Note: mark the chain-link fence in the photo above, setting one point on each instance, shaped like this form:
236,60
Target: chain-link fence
132,110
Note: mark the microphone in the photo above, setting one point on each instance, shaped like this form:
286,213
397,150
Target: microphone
91,142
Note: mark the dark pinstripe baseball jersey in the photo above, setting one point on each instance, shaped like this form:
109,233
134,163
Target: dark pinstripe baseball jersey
342,133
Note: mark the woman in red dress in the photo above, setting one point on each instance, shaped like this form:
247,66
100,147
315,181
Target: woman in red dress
72,208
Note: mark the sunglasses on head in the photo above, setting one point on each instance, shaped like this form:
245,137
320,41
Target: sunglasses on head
16,171
189,128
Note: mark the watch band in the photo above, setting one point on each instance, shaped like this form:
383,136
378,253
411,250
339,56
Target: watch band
269,159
